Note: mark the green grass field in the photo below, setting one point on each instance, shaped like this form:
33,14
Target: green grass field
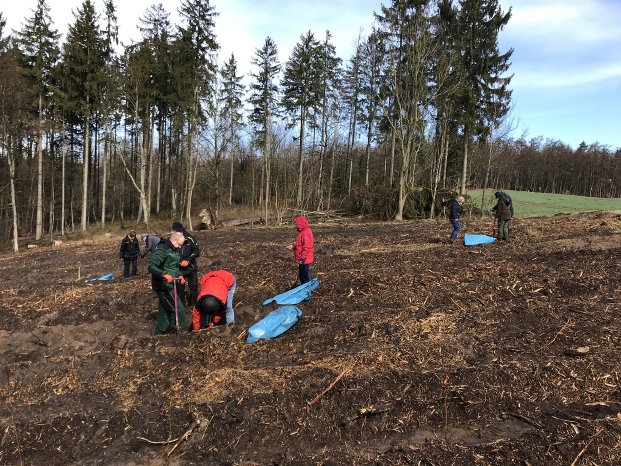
529,204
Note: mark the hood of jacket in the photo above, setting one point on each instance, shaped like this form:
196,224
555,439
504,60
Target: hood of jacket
301,222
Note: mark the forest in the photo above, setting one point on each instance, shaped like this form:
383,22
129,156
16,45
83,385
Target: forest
94,132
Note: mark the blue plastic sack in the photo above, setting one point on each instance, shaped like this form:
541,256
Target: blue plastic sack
274,324
108,276
295,295
473,240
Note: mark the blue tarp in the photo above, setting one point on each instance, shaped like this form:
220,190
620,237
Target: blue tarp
102,278
295,295
473,240
274,324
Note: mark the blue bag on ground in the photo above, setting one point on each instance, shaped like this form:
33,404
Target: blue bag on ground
108,276
273,324
295,295
473,240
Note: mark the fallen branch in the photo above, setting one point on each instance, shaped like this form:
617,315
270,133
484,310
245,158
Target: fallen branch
345,371
558,333
186,435
157,442
526,420
573,463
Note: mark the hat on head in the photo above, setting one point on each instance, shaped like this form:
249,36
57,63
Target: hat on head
177,226
209,305
143,237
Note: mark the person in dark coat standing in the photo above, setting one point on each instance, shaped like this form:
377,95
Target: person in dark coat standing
456,210
501,195
503,214
130,250
304,248
190,251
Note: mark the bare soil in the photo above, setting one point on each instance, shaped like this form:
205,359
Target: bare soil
411,351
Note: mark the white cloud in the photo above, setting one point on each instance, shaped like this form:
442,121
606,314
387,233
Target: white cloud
545,78
561,23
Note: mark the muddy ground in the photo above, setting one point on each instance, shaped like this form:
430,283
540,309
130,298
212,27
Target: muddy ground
411,351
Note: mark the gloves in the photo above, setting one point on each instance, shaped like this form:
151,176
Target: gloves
168,278
184,263
181,279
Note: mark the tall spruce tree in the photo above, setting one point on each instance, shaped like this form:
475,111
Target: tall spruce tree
407,27
194,76
353,95
38,43
110,94
486,95
13,101
373,56
156,31
264,101
302,91
230,98
330,86
83,65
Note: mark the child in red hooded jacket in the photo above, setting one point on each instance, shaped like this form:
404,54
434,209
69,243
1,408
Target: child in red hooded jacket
215,300
304,249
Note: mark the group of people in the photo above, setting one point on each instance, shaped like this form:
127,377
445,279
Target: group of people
503,213
173,267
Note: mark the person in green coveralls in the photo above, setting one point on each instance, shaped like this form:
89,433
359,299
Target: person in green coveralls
164,269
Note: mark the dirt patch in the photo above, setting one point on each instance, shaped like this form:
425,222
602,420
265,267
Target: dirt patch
410,352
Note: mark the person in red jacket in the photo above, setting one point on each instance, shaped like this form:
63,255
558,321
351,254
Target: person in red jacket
304,249
215,300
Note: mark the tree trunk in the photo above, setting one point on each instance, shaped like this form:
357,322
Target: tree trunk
464,171
104,175
11,160
39,224
267,156
234,148
301,156
62,183
85,162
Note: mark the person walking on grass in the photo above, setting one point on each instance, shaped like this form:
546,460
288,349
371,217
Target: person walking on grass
130,250
456,210
164,269
304,249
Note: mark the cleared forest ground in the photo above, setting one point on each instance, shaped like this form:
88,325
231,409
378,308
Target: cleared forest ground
410,352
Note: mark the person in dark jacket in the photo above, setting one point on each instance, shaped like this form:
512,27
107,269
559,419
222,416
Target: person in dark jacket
214,305
507,198
456,210
130,250
503,214
190,251
150,241
304,249
165,277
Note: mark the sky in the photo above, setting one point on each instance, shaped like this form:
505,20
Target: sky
566,61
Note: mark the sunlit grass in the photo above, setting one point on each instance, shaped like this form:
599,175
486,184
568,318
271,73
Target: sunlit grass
529,204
